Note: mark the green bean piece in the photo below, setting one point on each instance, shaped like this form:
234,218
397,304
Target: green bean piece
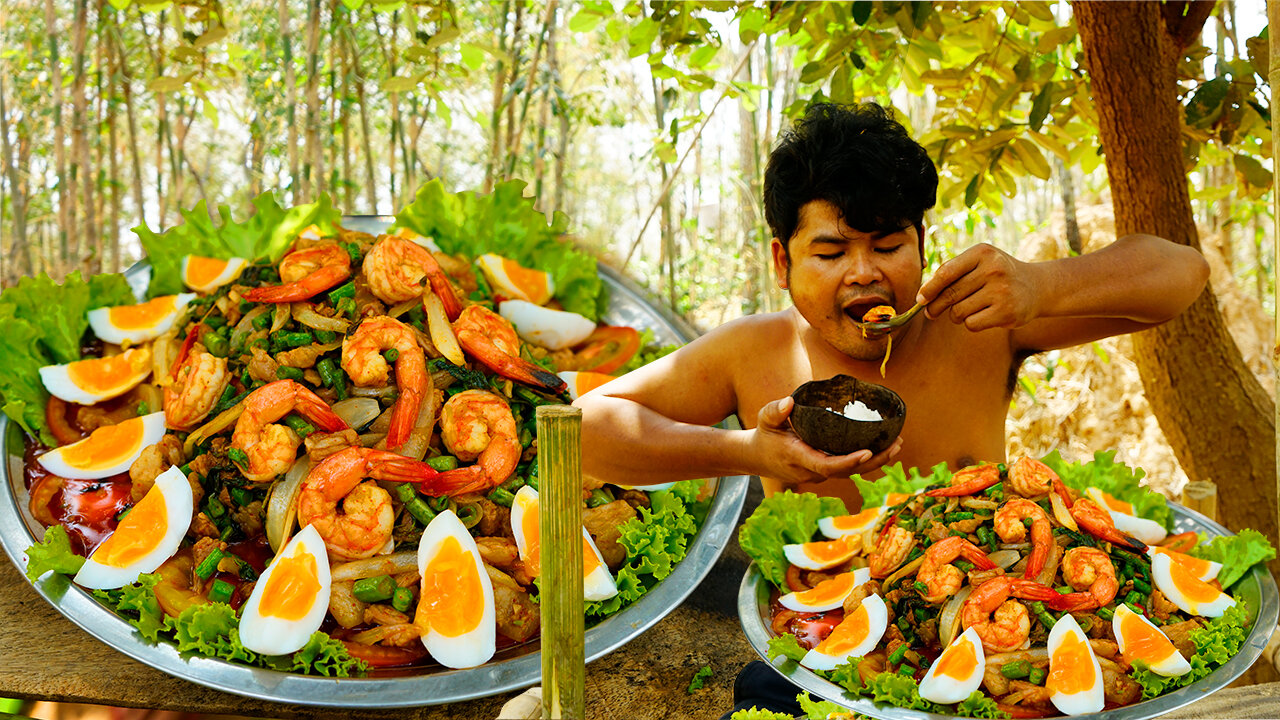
920,586
898,654
1134,607
262,322
216,508
532,479
284,372
258,343
143,408
227,532
1141,586
502,496
1016,669
417,507
401,599
347,291
443,462
1046,619
185,469
1002,468
391,354
221,591
1037,676
953,517
347,306
217,345
404,491
374,589
293,339
1134,598
963,565
209,565
238,456
245,306
469,515
1064,589
515,483
921,614
299,425
1104,613
215,321
1085,623
599,496
440,503
326,336
328,370
907,671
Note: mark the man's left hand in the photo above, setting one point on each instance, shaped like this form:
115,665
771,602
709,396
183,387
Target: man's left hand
983,288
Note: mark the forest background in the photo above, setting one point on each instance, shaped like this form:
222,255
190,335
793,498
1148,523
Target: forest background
649,124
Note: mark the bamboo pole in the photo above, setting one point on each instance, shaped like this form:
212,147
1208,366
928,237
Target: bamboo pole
1273,79
560,527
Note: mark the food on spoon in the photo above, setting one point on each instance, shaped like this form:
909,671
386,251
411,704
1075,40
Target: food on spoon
107,451
858,410
146,537
290,599
206,274
91,381
516,282
138,323
879,313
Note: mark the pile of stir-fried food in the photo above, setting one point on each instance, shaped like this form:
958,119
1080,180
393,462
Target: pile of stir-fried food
1004,582
343,441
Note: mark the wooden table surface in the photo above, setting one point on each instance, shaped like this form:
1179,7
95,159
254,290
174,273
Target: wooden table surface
44,656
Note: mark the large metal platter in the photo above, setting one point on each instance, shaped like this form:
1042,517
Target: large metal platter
510,669
1257,588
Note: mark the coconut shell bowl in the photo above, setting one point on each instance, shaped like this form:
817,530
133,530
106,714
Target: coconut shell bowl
818,416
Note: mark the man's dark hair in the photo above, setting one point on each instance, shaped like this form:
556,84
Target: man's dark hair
858,158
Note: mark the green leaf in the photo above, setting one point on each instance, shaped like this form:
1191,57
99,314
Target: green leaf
754,713
750,22
642,36
400,83
1031,158
971,190
703,55
1206,103
472,56
899,481
211,36
1237,553
781,519
1252,172
699,678
787,646
860,11
53,553
167,84
585,21
819,709
1040,107
1116,479
1051,39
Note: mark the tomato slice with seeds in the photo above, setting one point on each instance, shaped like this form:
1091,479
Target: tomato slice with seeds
608,348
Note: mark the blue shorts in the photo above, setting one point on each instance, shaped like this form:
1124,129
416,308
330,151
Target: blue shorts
760,686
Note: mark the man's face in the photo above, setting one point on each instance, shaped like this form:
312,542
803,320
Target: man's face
835,274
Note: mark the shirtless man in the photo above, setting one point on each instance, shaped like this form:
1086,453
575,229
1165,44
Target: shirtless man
845,195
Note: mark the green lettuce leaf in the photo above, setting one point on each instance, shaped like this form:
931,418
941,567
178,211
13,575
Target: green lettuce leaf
902,691
783,519
650,350
700,678
323,655
787,646
1115,478
20,386
266,234
53,553
897,480
1237,553
505,222
1218,641
140,599
820,709
755,713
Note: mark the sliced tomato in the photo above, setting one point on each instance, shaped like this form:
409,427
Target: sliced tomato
1182,542
55,414
381,656
608,348
813,629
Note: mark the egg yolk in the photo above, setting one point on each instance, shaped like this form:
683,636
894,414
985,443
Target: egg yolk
852,630
106,445
291,590
589,560
203,270
1071,669
827,590
1192,588
958,661
831,551
1193,565
137,534
452,596
108,373
854,522
1143,642
896,498
1112,503
533,283
532,549
143,315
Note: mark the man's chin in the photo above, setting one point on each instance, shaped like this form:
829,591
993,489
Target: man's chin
864,350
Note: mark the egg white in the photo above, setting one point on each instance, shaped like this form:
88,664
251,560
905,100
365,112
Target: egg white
492,267
172,487
232,271
1210,572
526,500
55,460
798,554
100,321
867,520
473,647
1148,531
798,602
1168,666
552,329
597,584
272,635
58,381
947,689
1089,700
878,620
1161,575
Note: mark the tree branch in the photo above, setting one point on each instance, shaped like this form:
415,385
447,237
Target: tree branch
1184,20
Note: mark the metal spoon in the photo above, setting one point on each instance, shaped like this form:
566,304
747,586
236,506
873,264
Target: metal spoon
875,329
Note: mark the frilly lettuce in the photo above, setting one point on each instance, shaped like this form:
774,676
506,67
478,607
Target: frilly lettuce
786,645
897,480
821,709
902,691
755,713
1116,479
53,553
506,222
1237,553
782,519
1216,642
267,233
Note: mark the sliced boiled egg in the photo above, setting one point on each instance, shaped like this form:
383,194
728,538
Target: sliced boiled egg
107,451
841,525
856,635
1139,639
597,581
147,535
1206,570
552,329
138,323
1122,514
1075,677
957,672
417,239
583,381
290,599
822,554
826,595
896,499
510,278
455,612
90,381
206,274
1183,587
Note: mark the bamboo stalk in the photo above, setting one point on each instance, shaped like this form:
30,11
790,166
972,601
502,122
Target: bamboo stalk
1201,496
560,527
1273,79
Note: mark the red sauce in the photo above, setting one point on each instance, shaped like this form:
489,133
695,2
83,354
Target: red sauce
809,628
88,509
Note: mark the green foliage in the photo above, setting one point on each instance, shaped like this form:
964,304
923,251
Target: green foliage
1237,553
53,553
782,519
1116,479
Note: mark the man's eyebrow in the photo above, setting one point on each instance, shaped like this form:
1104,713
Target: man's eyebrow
828,239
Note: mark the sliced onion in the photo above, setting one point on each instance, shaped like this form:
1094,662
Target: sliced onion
371,439
214,426
401,308
281,317
382,423
357,412
384,391
392,564
240,333
1061,512
904,571
164,351
1004,558
282,503
949,618
305,313
979,504
441,331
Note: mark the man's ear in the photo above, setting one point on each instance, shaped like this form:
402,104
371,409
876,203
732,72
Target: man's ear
781,262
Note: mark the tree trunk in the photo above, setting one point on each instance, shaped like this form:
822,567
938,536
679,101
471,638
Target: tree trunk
1069,206
88,252
16,253
59,140
499,89
313,169
126,87
1214,412
291,98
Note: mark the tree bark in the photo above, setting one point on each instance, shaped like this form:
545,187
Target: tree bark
313,170
499,89
291,98
1216,415
1069,220
65,197
15,255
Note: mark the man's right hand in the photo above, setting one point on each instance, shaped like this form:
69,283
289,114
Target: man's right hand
788,459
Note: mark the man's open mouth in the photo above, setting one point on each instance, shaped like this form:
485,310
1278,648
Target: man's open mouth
858,308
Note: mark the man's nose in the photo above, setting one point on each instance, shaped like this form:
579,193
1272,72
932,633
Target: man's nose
861,270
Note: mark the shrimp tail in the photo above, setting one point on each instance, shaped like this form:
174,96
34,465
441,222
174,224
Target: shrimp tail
396,468
403,417
1031,590
315,409
509,366
458,481
1073,602
968,481
974,555
441,286
304,289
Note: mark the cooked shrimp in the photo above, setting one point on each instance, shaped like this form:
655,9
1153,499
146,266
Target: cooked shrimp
891,550
1001,621
1096,520
306,273
362,525
940,577
1090,570
362,358
395,268
968,481
1008,525
478,425
489,338
272,449
197,385
1031,478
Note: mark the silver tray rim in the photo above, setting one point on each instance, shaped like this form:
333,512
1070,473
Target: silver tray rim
753,601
